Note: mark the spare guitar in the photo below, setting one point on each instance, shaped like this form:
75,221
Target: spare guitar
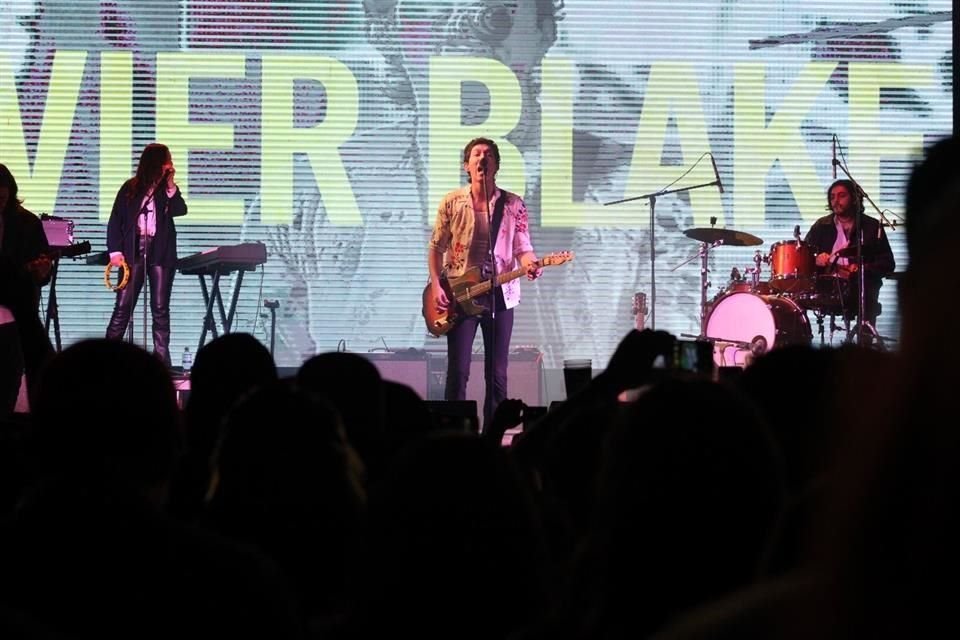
464,290
640,310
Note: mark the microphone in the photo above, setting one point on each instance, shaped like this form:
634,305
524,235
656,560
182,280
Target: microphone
834,163
482,165
716,173
796,233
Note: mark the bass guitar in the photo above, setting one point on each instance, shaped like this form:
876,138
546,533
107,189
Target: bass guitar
464,290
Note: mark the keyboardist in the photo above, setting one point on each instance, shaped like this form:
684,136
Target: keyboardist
141,231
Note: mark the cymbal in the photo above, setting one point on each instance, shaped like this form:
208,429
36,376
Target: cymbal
727,236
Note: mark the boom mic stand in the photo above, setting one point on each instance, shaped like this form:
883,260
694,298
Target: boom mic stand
861,276
652,197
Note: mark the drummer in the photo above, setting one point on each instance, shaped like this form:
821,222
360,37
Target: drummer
833,240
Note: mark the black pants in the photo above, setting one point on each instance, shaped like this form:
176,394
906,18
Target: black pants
459,356
161,284
871,300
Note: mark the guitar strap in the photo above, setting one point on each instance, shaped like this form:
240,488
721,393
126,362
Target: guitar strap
495,233
498,215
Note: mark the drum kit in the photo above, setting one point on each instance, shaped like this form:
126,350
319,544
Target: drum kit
752,315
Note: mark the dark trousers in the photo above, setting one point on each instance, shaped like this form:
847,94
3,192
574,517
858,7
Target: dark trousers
161,284
459,356
871,300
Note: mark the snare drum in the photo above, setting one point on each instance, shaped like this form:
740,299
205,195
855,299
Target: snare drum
793,267
830,296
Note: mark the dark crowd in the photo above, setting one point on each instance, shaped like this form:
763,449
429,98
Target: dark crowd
817,495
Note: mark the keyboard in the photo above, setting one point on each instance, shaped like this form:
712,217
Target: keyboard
238,257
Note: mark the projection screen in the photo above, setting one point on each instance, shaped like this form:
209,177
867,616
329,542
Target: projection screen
329,131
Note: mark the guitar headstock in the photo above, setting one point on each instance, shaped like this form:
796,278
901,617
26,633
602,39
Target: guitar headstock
640,303
555,258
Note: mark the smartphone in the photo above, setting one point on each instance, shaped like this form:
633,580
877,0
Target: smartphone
695,356
532,414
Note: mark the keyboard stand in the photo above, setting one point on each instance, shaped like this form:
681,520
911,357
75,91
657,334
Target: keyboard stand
212,296
53,312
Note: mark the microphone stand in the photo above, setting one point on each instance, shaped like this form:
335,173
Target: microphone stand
652,197
493,294
858,231
146,276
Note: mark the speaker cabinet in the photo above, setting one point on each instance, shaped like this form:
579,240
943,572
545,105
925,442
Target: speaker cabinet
524,377
407,367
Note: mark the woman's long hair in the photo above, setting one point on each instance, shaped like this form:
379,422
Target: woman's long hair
149,170
7,179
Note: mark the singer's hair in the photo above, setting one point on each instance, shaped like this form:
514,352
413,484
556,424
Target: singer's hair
487,141
851,188
149,170
7,180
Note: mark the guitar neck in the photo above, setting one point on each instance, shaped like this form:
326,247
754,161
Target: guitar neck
484,287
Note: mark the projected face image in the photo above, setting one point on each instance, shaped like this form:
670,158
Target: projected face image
607,100
322,261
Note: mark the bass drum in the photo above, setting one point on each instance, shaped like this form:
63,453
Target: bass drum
765,322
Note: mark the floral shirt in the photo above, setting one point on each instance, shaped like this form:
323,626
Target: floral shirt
453,233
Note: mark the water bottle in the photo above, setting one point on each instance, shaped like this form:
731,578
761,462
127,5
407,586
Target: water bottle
187,360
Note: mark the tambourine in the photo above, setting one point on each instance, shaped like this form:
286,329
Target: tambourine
107,281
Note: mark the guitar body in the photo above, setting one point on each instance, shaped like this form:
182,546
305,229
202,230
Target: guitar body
464,291
440,322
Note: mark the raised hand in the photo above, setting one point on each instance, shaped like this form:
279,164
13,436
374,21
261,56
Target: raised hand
633,359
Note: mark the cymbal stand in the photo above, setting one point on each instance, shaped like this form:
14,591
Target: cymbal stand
755,271
833,327
53,311
703,252
819,315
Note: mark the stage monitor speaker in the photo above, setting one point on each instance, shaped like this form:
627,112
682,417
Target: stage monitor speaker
407,367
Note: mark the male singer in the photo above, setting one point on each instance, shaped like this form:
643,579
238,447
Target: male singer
141,222
466,220
835,233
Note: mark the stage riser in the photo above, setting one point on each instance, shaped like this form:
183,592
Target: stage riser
428,376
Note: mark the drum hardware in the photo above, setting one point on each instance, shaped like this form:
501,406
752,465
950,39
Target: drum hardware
703,252
757,346
821,316
869,251
723,236
757,261
709,238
